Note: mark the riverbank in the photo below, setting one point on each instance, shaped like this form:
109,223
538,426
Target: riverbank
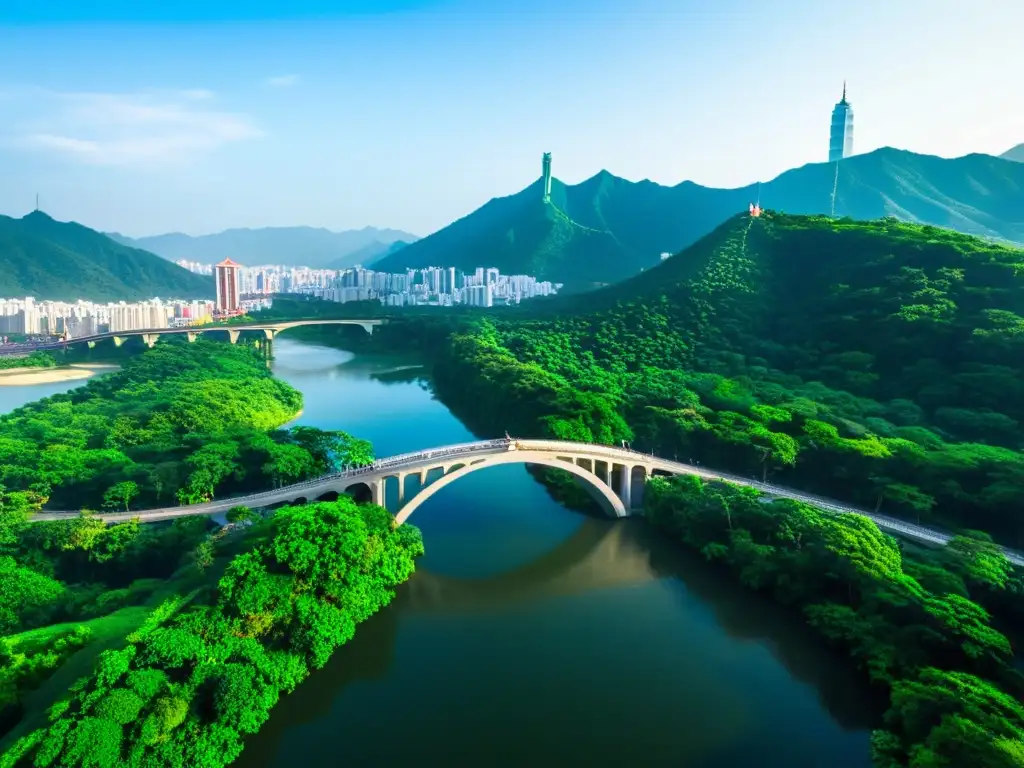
17,377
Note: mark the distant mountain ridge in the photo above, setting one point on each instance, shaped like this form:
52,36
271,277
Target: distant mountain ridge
606,229
290,246
65,261
368,255
1016,154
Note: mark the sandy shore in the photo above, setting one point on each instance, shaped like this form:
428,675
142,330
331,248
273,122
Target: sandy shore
20,377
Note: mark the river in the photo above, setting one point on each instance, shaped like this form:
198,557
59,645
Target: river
533,635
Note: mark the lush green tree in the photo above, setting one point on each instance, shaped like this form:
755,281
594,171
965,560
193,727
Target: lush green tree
121,494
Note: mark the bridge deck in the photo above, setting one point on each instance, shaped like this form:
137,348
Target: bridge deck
468,453
282,325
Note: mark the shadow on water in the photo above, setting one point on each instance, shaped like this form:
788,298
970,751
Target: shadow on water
600,554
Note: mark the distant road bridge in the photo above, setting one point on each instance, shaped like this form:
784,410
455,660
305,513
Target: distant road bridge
151,335
615,477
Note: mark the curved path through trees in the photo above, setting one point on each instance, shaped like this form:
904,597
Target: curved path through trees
615,477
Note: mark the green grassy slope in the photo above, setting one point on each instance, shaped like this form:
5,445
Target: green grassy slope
634,222
65,261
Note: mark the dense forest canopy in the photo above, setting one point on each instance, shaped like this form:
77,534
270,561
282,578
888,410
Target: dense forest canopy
181,635
174,425
876,362
206,666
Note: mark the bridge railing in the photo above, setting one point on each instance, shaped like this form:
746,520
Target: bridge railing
348,474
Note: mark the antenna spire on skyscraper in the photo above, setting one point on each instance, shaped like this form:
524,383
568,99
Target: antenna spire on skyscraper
844,92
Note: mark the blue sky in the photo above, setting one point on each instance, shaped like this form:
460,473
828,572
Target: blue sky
204,115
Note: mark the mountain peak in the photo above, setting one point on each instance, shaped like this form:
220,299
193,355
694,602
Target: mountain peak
1016,154
62,260
607,228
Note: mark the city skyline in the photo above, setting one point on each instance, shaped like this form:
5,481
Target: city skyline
240,289
117,130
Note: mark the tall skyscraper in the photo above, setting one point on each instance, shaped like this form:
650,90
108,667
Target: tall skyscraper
546,171
840,140
226,276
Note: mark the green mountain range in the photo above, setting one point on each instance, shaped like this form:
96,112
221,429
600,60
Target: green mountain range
65,261
368,255
289,246
606,228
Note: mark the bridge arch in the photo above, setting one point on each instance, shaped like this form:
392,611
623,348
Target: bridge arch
601,492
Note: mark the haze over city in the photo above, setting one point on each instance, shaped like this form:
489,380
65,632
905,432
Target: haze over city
411,114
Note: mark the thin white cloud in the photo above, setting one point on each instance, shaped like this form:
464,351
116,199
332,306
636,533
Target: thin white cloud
283,81
132,129
197,94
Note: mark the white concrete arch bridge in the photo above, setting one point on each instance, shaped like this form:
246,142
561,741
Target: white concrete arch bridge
615,477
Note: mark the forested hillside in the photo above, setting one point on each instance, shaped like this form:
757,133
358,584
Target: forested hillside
167,643
607,228
877,362
64,261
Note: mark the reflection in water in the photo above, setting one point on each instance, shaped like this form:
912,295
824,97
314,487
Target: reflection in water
599,555
531,635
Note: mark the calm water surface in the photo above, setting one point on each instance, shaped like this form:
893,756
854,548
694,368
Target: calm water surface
533,635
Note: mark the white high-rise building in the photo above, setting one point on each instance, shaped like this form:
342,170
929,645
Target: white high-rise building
840,140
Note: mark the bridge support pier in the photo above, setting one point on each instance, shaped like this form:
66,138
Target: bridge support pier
150,339
401,490
233,336
377,492
91,344
191,336
118,341
626,486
